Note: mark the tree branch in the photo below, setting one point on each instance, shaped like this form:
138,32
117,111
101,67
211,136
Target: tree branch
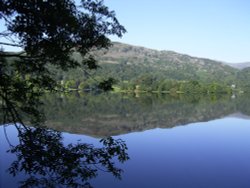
4,34
10,44
3,54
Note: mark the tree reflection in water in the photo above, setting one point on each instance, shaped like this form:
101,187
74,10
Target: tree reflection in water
48,162
42,155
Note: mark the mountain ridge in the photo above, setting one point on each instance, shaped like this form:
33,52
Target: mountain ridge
238,65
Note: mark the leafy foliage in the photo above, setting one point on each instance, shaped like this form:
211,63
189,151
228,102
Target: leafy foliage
48,33
50,163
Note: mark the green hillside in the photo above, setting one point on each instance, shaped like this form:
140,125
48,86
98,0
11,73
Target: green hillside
130,61
131,65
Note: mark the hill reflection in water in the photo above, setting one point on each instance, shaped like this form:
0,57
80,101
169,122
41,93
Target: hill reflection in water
207,151
115,114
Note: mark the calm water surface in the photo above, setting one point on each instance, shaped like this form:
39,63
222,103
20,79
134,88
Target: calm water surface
172,142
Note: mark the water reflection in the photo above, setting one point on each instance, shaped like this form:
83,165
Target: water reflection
44,159
49,162
108,115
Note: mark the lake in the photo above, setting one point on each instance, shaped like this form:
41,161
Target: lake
172,141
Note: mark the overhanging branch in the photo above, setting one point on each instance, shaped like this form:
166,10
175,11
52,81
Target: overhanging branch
3,54
9,44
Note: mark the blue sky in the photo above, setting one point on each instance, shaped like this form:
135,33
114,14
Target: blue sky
215,29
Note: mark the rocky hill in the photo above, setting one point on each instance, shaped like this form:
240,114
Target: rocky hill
127,61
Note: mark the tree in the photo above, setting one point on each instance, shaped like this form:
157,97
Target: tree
47,34
48,162
146,82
